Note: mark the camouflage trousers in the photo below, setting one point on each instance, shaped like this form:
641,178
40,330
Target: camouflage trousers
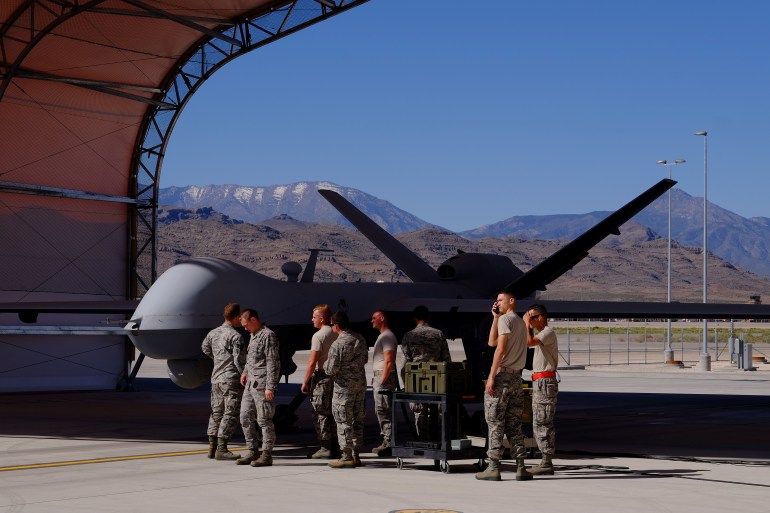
544,394
225,404
349,412
383,405
321,388
257,412
502,411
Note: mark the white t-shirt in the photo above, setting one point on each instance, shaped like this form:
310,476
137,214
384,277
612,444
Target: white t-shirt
321,342
385,342
513,327
546,356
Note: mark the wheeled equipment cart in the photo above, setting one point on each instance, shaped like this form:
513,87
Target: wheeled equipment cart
448,444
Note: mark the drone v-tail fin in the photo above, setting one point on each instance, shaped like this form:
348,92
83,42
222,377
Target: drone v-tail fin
406,260
565,259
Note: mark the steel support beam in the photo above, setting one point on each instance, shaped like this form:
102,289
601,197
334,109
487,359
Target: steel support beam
191,71
39,28
184,21
41,190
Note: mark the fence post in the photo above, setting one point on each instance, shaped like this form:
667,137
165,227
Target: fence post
628,346
589,342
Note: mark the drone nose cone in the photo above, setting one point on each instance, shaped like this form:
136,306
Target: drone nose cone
184,303
184,285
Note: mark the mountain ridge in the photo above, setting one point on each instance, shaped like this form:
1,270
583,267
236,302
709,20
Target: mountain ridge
744,242
631,267
257,203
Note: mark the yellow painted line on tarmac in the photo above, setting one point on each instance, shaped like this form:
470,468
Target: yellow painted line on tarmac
102,460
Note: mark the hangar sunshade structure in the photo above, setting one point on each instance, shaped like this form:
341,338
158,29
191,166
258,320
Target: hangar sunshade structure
90,91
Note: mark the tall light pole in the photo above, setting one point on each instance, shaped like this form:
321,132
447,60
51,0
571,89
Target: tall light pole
668,354
705,358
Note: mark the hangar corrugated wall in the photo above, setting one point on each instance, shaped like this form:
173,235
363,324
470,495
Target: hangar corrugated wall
89,93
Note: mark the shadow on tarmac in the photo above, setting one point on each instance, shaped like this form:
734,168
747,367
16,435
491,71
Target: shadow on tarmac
588,424
674,425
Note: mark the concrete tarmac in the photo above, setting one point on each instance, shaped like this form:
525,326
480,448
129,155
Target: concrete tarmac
647,438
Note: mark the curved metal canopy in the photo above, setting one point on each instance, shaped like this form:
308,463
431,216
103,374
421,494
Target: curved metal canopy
89,92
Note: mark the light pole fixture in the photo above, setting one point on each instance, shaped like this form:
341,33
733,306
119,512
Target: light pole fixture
705,358
668,354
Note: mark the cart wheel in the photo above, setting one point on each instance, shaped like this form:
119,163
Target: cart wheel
444,466
399,463
436,465
481,464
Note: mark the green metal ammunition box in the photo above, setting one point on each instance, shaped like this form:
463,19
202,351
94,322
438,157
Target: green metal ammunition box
437,377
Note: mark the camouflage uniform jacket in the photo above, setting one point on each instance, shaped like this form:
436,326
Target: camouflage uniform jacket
225,346
263,363
425,344
346,363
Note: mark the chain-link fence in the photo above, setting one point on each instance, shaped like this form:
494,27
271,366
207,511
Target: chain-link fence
587,342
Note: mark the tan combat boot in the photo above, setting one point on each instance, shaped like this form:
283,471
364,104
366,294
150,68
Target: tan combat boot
324,453
492,473
223,453
265,460
212,447
346,461
252,455
521,471
544,468
383,450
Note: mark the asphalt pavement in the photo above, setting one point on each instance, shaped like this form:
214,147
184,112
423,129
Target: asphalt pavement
629,438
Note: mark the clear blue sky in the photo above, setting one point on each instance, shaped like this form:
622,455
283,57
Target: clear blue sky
466,113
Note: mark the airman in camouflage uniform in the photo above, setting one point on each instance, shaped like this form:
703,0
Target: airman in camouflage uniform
503,396
545,386
384,380
226,347
423,344
319,385
263,371
346,365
